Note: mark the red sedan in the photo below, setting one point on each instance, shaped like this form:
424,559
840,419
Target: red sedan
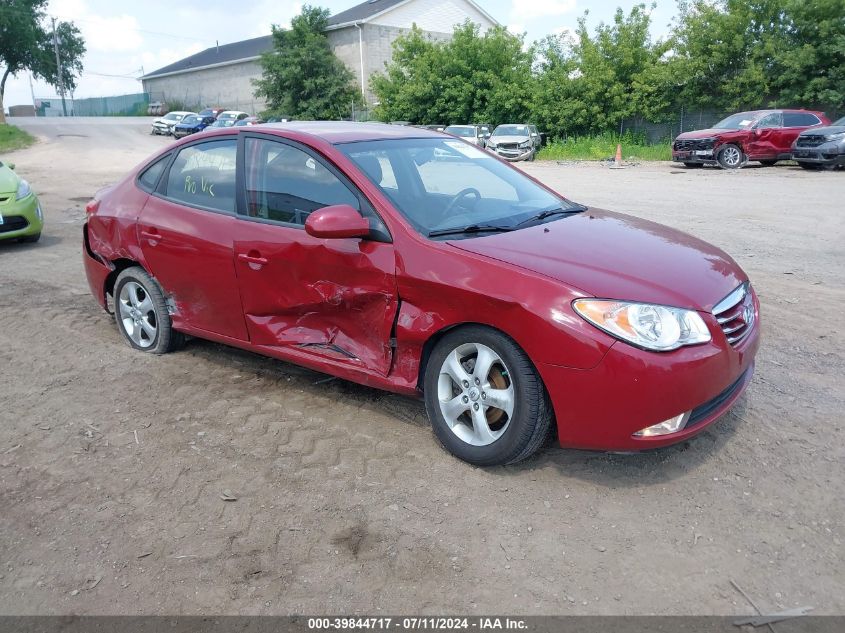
414,262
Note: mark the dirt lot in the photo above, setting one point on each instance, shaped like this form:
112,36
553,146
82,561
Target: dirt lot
112,463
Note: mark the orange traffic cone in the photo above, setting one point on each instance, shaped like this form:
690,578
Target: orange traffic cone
617,164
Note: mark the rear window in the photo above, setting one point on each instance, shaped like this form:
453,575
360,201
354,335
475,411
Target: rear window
799,119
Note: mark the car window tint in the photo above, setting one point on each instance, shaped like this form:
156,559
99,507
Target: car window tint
285,184
770,120
149,177
204,175
799,119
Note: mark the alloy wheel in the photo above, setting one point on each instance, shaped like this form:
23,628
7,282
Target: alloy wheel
137,314
476,394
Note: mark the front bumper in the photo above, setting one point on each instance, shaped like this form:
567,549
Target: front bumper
162,128
21,218
702,156
832,153
632,389
513,155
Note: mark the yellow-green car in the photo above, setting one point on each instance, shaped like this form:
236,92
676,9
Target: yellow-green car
20,212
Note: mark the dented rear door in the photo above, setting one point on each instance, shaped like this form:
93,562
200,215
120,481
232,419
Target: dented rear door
334,299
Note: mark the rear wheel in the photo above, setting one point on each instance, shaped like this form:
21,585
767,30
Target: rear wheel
486,402
141,313
730,156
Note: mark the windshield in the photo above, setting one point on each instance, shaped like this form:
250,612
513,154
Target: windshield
741,121
227,115
191,119
459,130
440,184
511,130
172,117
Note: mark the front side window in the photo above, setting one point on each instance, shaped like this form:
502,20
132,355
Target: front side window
204,175
440,184
286,184
772,120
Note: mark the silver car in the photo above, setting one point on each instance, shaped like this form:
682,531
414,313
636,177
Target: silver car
164,125
515,142
471,133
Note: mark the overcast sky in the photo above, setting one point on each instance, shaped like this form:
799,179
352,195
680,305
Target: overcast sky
123,37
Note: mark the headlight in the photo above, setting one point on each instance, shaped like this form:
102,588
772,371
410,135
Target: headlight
23,190
834,137
653,327
525,145
491,144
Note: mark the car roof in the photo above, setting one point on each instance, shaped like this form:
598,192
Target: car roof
349,132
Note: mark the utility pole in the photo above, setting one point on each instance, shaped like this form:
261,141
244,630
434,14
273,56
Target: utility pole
59,67
32,91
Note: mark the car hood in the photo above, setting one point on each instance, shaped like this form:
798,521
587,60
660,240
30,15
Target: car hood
8,180
824,131
508,139
615,256
708,133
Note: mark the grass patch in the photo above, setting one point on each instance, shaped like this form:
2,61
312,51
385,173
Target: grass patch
12,138
603,146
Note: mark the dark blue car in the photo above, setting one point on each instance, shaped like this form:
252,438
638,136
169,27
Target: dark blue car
191,125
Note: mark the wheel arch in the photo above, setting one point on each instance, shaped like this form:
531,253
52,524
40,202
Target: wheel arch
118,266
436,337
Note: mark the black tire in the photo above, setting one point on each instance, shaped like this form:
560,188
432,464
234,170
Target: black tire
768,163
166,339
693,165
31,239
532,417
730,156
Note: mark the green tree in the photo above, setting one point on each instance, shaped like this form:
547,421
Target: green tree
809,66
302,77
470,78
591,82
26,44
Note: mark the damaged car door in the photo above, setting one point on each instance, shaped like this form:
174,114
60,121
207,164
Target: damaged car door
332,298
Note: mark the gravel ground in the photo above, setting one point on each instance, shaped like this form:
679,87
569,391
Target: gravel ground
113,464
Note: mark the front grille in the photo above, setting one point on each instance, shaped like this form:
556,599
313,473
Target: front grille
704,411
13,223
688,145
511,146
735,314
810,140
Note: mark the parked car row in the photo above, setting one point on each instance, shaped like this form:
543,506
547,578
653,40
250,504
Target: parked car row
179,123
513,142
765,136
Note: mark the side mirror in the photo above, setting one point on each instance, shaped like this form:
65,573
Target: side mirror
335,222
534,134
11,166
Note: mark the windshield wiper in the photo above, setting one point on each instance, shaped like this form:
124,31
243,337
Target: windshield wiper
472,228
578,208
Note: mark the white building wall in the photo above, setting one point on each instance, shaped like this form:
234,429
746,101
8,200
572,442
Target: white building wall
438,16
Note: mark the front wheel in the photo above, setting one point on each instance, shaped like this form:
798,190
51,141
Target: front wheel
486,402
730,156
141,313
31,239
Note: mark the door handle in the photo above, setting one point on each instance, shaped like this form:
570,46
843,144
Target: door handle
152,235
252,259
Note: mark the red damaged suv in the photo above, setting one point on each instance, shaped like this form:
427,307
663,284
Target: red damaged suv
762,135
412,261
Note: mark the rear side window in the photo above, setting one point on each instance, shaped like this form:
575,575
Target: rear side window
204,175
285,184
799,119
149,177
